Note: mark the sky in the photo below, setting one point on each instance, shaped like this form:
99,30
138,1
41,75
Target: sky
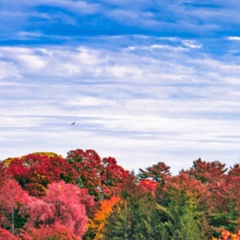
144,81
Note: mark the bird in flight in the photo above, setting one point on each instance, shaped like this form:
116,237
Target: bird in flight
73,123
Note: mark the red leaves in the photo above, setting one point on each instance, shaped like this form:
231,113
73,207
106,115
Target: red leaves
103,178
148,184
60,209
113,176
12,195
56,231
89,167
208,172
64,204
3,174
12,198
6,235
35,171
186,188
19,170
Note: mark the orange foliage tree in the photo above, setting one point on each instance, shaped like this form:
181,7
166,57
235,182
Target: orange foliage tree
98,223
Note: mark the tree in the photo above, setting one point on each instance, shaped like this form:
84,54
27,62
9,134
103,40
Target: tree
208,172
97,225
148,185
226,213
133,217
103,178
35,171
13,201
187,223
89,168
4,177
158,172
53,232
112,177
184,204
64,205
6,235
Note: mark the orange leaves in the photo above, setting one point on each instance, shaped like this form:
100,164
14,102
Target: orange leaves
226,235
106,208
149,185
100,217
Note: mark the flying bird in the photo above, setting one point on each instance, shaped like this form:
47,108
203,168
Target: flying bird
73,123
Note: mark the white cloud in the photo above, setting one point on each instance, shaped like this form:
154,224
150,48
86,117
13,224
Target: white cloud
24,34
143,104
8,70
191,44
234,38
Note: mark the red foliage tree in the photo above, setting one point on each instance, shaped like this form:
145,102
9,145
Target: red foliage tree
35,171
6,235
230,196
208,172
89,167
13,201
112,176
4,177
65,205
55,231
148,185
224,189
19,170
101,177
184,188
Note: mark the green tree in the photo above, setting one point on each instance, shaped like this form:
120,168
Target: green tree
183,207
158,172
186,224
133,217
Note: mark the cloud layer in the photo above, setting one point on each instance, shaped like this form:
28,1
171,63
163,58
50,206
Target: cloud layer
144,82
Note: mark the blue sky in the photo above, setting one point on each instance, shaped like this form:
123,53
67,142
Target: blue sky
145,81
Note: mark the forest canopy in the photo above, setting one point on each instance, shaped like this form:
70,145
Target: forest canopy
83,196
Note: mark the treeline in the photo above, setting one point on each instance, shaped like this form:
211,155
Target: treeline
44,196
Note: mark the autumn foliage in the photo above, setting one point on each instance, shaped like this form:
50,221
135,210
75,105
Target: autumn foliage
97,224
64,205
56,231
35,171
102,177
83,196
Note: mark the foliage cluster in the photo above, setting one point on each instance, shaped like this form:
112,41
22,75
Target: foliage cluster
44,196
